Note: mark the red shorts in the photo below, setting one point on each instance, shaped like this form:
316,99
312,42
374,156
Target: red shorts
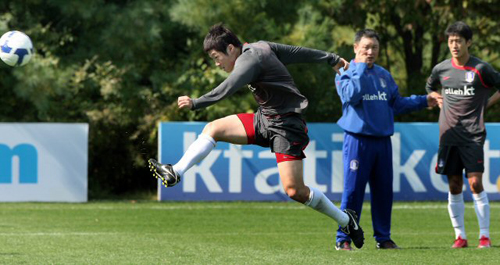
270,131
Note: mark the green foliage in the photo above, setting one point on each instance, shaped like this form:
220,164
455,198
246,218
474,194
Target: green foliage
121,65
412,37
107,72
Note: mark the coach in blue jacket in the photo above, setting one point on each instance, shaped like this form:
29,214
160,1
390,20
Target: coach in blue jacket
370,99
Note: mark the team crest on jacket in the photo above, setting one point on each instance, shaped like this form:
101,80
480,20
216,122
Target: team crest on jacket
383,83
469,76
354,165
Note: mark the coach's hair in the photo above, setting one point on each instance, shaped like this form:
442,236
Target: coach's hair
219,37
459,28
367,33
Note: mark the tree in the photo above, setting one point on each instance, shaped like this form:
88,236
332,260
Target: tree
120,65
413,32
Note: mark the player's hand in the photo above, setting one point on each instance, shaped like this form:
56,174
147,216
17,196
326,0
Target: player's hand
341,64
185,102
435,99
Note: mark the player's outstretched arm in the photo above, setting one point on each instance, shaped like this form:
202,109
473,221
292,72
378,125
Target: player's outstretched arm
246,70
493,99
289,54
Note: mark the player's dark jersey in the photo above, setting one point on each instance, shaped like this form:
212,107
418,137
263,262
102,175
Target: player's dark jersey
261,66
465,90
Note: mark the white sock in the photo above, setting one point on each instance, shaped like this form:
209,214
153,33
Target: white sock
198,150
456,208
319,202
482,207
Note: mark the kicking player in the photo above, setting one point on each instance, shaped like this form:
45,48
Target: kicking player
370,99
277,124
466,83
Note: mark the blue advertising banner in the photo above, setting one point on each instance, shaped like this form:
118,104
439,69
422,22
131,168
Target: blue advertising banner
249,172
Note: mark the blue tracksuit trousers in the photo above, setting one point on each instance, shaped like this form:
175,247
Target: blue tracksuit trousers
368,159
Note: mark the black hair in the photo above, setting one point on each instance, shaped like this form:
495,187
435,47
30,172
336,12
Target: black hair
459,28
367,33
219,37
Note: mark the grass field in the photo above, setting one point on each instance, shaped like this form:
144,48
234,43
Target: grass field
225,233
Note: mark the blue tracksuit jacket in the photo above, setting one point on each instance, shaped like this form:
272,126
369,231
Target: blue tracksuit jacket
370,99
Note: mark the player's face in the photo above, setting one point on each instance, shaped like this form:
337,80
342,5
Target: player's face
366,50
458,46
224,61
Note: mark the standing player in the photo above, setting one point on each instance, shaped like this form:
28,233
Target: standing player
370,98
278,123
466,83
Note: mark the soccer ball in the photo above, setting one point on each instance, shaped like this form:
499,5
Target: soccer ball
16,48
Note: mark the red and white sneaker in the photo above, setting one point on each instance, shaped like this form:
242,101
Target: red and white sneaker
484,242
460,243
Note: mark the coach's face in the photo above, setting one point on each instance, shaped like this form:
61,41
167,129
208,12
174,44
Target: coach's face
366,51
458,46
225,61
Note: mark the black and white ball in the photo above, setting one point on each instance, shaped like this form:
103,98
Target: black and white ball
16,48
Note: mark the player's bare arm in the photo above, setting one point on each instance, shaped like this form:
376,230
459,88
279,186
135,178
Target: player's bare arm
493,99
185,102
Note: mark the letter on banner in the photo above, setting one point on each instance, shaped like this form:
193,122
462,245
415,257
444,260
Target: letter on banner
437,179
337,165
28,163
488,154
236,155
261,180
310,166
408,169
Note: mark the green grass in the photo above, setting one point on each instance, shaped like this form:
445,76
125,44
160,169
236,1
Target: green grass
225,233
